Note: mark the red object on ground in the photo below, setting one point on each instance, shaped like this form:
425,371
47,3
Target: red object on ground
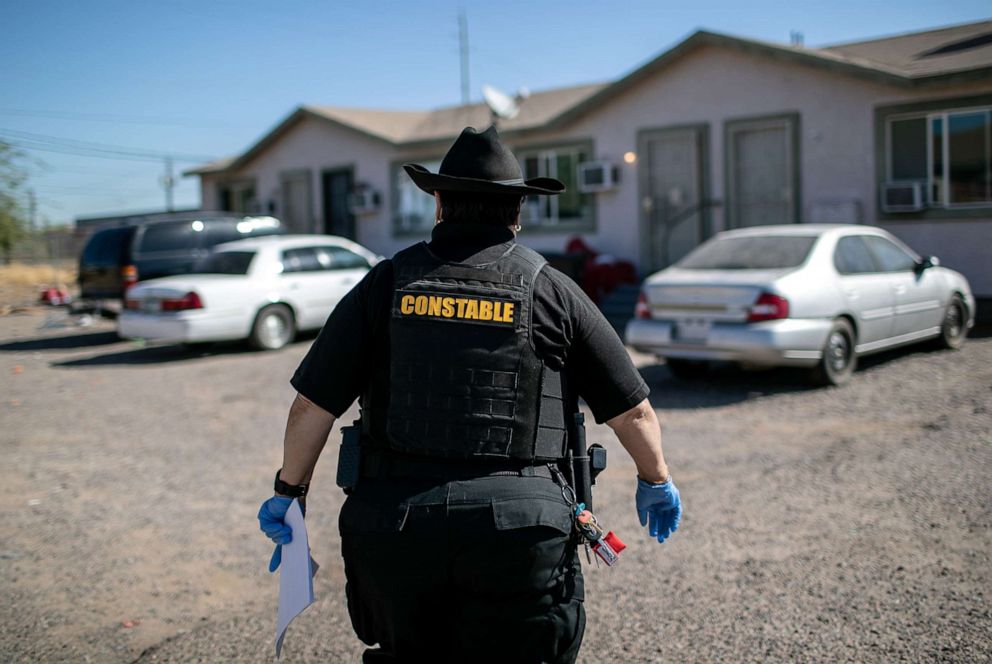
54,295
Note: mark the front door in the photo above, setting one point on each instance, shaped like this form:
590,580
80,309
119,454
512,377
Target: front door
338,220
762,172
673,193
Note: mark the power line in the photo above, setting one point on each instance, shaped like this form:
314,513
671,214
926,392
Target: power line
109,117
88,148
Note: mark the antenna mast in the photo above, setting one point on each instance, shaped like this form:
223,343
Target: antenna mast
463,51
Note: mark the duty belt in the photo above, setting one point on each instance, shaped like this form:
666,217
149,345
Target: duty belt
378,465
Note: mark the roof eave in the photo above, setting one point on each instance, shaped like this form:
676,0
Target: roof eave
277,132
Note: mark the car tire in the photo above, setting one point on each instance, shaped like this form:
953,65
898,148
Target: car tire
686,369
839,359
273,328
954,327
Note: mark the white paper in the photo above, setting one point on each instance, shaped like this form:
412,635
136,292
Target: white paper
295,574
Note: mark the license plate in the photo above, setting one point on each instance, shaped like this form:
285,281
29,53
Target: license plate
150,306
692,331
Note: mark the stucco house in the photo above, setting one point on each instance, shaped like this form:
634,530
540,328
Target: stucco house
717,132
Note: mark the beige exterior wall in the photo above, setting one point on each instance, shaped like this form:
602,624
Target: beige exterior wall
317,146
837,145
711,85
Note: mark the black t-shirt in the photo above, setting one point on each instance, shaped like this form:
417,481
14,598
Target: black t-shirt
569,331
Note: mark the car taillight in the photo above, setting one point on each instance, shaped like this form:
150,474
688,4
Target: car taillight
768,306
132,304
643,309
129,273
188,301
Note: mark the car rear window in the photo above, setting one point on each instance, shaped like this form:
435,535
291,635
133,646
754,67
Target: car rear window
750,253
226,262
107,246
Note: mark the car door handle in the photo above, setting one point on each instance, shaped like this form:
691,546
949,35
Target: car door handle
851,293
900,289
294,285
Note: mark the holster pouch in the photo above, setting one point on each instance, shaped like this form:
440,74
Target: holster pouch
350,457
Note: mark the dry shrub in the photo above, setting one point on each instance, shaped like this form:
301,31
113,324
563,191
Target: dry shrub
24,275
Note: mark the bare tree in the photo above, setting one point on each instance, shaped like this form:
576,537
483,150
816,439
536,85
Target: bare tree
13,219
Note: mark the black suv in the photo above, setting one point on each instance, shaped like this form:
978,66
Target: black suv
115,258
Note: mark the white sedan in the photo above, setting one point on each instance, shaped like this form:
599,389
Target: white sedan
262,289
808,295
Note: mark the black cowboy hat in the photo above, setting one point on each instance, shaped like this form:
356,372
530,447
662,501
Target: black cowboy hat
481,163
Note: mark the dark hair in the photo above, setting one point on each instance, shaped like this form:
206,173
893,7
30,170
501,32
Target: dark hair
475,208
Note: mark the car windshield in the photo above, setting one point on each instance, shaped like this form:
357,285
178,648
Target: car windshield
756,252
226,262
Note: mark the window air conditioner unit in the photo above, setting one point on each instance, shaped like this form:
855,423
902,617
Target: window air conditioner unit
364,201
597,176
902,196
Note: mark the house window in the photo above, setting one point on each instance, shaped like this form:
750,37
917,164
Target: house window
951,151
414,208
570,209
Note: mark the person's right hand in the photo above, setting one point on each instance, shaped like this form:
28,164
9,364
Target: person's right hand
271,519
659,507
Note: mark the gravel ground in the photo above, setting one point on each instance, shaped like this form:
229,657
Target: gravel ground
847,524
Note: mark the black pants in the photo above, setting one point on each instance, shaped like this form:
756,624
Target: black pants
463,571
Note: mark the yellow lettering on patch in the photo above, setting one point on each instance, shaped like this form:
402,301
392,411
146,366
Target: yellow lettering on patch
448,307
472,310
465,308
485,310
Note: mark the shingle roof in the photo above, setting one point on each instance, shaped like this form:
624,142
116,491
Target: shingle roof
404,127
933,52
909,60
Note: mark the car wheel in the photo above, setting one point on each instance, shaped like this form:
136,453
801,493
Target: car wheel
274,328
686,369
954,329
838,361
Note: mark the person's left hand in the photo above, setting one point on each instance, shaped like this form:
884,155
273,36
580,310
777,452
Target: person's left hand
271,519
659,507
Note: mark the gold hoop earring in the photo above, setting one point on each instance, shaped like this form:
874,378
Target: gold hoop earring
438,221
516,228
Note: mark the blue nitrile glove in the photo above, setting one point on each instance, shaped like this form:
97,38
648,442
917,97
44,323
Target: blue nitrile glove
659,507
271,519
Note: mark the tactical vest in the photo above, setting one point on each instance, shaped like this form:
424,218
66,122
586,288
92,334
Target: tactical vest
465,379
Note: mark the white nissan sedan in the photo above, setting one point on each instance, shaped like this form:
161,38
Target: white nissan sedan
262,289
807,295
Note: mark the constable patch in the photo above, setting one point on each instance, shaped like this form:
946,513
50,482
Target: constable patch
455,308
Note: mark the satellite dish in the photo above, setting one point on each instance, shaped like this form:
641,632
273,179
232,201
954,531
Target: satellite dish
502,105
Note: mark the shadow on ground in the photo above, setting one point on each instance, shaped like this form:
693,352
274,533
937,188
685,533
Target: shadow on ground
723,384
65,342
165,354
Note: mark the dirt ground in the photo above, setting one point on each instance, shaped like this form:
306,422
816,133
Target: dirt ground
848,524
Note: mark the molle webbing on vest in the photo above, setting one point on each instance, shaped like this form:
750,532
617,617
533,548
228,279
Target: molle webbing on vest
465,381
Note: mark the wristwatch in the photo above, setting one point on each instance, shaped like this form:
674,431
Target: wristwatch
292,490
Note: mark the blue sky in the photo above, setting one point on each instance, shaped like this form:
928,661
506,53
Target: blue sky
209,77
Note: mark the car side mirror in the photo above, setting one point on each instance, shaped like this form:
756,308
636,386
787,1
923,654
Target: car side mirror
927,262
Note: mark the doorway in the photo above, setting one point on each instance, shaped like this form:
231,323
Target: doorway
674,193
337,186
763,171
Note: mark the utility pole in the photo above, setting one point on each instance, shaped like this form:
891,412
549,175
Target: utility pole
169,183
463,51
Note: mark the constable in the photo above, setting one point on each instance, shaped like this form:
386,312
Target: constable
468,354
